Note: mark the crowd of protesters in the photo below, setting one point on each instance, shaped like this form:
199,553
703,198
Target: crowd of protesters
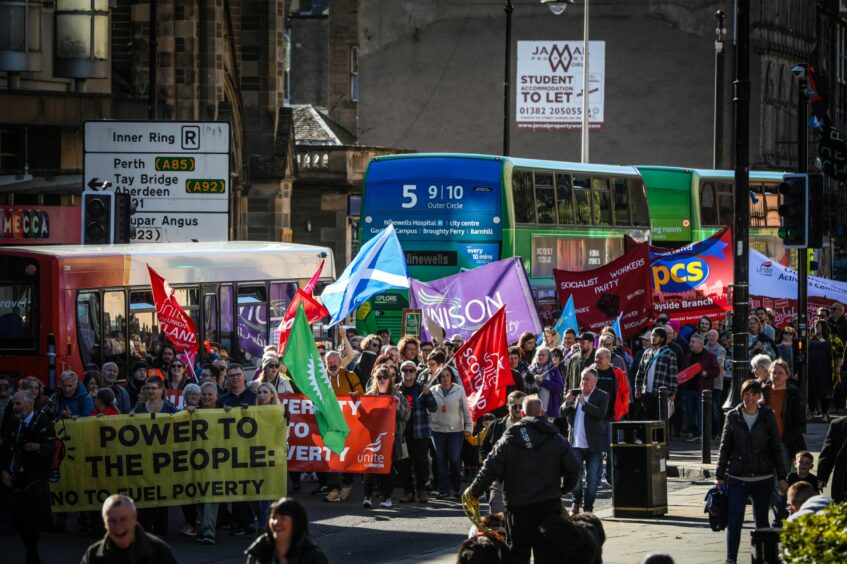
582,381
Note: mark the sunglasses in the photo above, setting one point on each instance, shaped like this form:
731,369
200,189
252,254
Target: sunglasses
409,370
382,377
273,365
235,375
375,345
177,366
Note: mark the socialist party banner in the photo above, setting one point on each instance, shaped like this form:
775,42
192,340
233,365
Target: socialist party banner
159,460
600,295
462,303
774,285
694,280
368,447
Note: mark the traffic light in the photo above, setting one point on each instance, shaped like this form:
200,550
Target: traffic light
816,204
794,211
97,218
123,211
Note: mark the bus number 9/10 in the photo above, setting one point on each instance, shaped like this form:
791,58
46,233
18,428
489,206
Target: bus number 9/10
410,196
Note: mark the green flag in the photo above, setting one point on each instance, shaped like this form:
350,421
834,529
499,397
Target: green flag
307,370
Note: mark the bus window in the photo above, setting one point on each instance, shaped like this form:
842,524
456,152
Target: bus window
708,204
564,199
524,201
252,321
17,330
143,327
188,298
640,214
601,202
545,199
88,326
583,201
281,295
758,206
210,315
114,341
227,327
771,198
622,201
726,204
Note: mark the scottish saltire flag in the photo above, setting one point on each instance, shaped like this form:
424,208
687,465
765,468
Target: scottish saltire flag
380,266
308,372
616,327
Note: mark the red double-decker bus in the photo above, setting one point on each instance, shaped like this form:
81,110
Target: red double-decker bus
65,307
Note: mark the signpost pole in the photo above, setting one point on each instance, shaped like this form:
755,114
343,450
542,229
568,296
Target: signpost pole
801,365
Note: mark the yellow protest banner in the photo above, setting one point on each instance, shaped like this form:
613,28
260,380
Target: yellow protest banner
158,460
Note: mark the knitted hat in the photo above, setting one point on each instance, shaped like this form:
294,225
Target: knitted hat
268,358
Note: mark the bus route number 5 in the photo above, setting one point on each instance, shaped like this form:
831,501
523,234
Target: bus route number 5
409,194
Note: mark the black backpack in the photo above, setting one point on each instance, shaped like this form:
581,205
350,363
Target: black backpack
717,506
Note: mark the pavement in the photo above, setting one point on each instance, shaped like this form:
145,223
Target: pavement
417,533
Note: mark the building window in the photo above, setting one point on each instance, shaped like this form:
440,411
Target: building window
81,48
20,35
354,74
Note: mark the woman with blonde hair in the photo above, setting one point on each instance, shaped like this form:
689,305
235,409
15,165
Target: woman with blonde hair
382,383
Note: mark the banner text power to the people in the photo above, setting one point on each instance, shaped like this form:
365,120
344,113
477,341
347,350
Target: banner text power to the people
160,460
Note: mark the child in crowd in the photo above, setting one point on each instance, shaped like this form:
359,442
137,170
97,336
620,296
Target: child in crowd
104,403
804,462
473,461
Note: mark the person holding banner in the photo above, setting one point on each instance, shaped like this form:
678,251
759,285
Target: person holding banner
382,384
155,401
344,383
451,423
658,368
177,376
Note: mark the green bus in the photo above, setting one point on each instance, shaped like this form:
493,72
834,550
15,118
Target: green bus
454,212
690,204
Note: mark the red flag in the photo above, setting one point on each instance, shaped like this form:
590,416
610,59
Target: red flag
315,311
177,326
689,373
483,364
310,287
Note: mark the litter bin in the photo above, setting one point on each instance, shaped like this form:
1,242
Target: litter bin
639,469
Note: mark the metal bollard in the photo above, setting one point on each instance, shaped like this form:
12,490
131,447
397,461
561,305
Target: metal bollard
765,546
663,413
706,431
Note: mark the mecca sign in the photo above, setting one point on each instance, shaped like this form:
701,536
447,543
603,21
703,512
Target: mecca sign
549,84
177,174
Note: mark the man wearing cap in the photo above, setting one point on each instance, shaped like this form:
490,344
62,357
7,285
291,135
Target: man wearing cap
414,470
657,368
344,383
578,362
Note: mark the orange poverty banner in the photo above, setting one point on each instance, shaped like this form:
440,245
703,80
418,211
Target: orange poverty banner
368,448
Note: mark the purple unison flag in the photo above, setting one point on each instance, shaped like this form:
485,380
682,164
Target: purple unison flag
463,302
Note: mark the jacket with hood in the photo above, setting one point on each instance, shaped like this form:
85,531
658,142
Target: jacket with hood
746,453
534,462
303,551
80,404
811,506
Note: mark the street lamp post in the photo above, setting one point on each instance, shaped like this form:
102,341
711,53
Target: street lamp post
720,31
558,8
508,8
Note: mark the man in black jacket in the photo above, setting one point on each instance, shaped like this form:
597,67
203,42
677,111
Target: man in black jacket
26,452
125,540
514,403
833,460
586,410
535,463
